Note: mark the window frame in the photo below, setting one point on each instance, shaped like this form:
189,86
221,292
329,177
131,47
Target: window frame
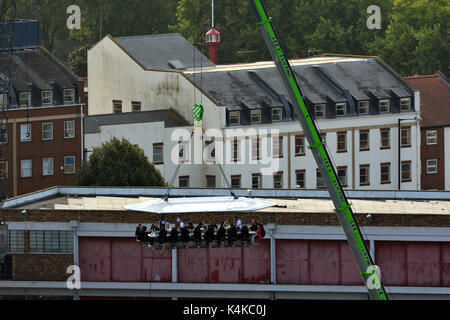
276,175
29,132
409,179
340,134
235,150
388,131
322,105
428,166
360,107
184,178
258,115
344,184
257,176
234,178
66,165
50,92
366,167
21,99
43,167
303,172
382,101
135,104
44,131
299,148
278,146
256,148
72,90
66,123
234,115
208,178
115,104
159,146
340,104
4,172
409,104
428,138
384,165
30,161
368,140
408,137
280,109
319,178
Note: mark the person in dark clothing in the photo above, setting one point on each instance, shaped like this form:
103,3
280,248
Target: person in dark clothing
221,233
197,235
162,237
232,234
209,234
144,234
254,225
137,234
162,222
185,234
174,235
244,234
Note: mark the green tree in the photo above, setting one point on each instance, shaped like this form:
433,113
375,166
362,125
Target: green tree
119,163
417,40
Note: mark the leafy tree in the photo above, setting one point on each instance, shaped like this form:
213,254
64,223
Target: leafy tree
119,163
417,40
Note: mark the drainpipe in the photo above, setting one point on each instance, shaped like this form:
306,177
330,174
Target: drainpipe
273,257
74,225
174,268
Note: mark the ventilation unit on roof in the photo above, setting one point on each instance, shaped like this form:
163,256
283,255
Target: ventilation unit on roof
176,64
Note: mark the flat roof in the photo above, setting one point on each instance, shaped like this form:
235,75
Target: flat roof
289,201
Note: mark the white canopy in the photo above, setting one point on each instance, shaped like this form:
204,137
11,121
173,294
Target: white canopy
200,204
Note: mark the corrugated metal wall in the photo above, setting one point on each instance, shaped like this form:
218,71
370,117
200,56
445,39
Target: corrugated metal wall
306,262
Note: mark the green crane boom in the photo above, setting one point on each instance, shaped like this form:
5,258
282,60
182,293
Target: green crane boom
317,146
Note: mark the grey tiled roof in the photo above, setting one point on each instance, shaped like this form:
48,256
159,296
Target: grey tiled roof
164,51
170,117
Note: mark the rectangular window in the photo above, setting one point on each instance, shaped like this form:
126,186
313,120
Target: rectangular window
235,117
210,148
406,137
405,104
320,111
385,138
406,171
69,95
69,165
255,116
432,166
299,146
342,142
256,181
135,106
117,106
256,149
210,181
319,180
69,129
277,114
26,168
3,135
235,150
431,137
236,181
158,153
25,99
341,109
4,170
47,167
364,140
384,106
47,97
342,176
363,107
277,147
300,177
364,175
3,100
51,241
183,182
16,241
25,132
183,151
385,173
47,131
278,180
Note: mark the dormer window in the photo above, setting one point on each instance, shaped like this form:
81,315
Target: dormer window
320,111
25,99
405,104
277,114
255,116
341,109
69,95
47,97
235,117
363,107
384,106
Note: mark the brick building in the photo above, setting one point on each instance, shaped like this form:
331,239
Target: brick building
42,146
304,255
435,130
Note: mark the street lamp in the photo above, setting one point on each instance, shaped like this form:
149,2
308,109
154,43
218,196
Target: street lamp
400,147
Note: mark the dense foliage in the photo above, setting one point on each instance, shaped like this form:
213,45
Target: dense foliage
119,163
414,36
